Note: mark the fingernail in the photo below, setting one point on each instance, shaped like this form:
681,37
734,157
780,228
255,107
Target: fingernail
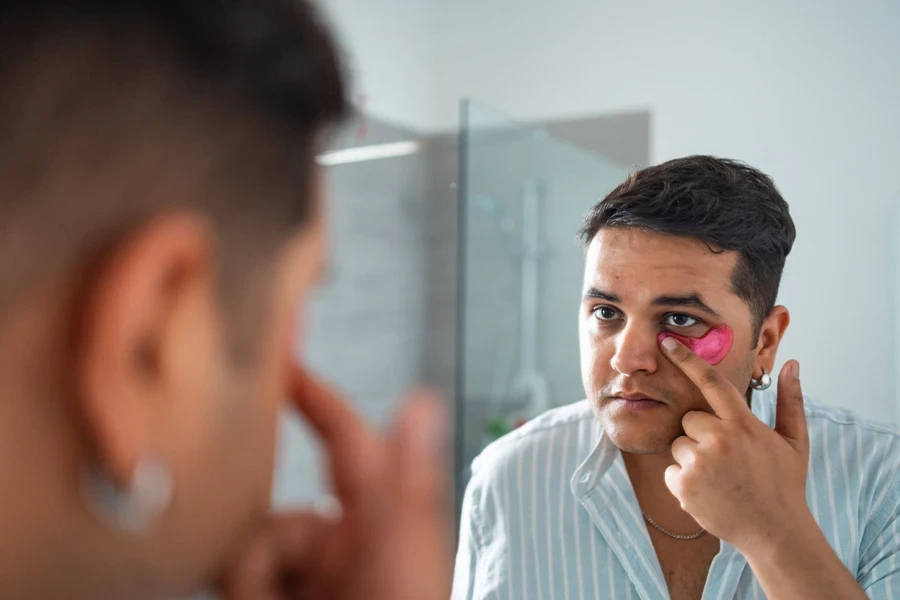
795,370
669,344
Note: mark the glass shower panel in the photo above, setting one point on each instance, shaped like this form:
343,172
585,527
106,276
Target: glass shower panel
523,196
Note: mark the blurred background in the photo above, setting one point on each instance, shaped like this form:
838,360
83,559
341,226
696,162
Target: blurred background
485,131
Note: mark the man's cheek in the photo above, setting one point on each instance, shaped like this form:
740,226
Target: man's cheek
712,347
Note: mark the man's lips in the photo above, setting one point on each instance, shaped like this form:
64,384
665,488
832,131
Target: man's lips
633,397
634,401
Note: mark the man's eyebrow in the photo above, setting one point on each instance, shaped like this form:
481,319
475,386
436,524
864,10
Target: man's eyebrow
687,300
601,295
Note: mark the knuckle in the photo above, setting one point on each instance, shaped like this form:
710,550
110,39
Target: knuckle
690,419
710,379
682,456
673,473
719,443
699,467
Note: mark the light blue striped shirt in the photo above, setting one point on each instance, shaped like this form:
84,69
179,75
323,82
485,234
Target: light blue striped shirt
550,513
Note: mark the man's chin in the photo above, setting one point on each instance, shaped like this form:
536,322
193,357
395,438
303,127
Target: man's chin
636,438
645,447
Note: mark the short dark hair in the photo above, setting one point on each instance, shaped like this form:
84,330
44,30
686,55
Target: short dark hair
724,203
114,110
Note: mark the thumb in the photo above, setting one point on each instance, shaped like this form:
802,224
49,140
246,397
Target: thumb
421,454
422,532
790,419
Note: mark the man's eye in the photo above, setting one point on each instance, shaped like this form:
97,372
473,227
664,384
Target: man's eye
676,320
605,313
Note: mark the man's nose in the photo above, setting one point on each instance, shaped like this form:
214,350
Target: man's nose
636,350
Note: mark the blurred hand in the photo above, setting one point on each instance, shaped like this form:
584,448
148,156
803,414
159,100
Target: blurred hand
392,539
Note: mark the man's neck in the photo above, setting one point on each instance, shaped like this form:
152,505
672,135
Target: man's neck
647,474
39,451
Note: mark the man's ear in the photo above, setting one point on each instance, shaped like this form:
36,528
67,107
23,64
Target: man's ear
158,276
770,336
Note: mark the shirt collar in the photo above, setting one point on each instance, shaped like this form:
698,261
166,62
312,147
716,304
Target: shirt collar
603,453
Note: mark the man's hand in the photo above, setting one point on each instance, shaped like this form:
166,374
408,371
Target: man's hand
392,538
741,481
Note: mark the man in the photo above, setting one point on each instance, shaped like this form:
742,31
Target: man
161,219
676,478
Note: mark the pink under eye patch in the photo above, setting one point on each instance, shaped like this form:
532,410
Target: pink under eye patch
712,347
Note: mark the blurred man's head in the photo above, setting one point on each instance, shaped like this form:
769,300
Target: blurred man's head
680,247
160,220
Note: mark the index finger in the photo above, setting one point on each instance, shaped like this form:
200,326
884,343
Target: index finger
722,396
352,447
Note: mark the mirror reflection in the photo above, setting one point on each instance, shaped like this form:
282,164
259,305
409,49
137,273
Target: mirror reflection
423,300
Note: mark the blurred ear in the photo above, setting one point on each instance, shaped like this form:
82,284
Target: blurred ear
147,305
770,336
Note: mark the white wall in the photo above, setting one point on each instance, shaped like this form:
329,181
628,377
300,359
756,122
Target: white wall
389,47
808,91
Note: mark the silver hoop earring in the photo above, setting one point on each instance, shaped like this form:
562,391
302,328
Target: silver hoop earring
763,383
134,509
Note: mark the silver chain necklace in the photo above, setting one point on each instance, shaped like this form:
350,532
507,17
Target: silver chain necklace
677,536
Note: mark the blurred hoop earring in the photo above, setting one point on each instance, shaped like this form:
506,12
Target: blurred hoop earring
763,383
136,508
